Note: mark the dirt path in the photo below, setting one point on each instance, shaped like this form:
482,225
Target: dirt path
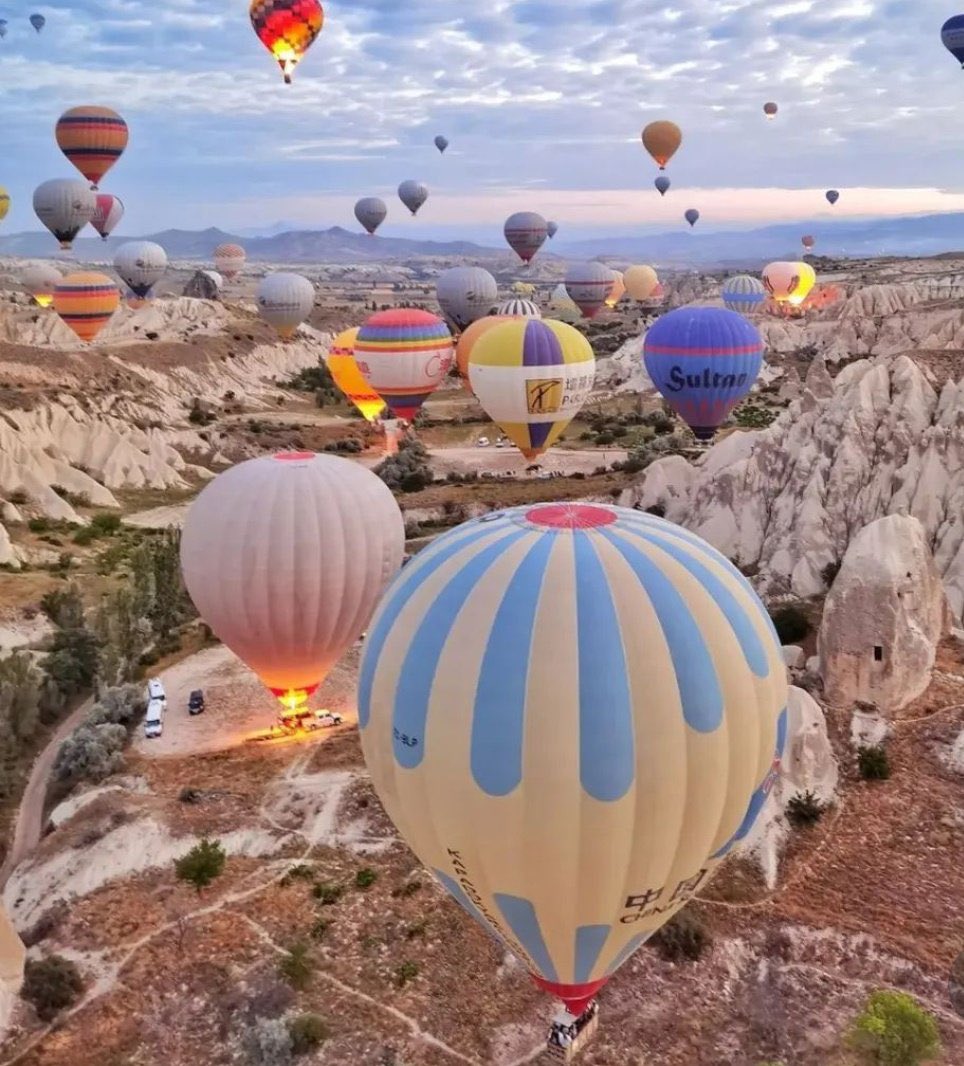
30,815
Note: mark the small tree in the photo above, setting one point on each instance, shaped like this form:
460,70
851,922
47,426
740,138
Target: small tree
51,985
791,624
296,967
365,878
202,864
307,1032
683,937
91,753
874,763
804,808
894,1030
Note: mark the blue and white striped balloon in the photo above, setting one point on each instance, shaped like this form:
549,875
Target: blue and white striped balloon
744,294
572,712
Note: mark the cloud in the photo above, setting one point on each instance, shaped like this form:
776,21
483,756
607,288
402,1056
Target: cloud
539,99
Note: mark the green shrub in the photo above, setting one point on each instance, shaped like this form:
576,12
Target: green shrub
751,417
408,971
407,890
84,536
307,1031
829,573
297,967
202,864
327,894
683,937
791,624
105,523
38,525
805,809
51,985
874,763
302,872
321,926
894,1030
365,878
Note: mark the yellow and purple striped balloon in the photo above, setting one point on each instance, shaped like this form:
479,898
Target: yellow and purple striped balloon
572,713
86,301
532,376
92,138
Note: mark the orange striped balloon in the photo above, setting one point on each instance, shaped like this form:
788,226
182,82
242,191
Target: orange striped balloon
92,138
85,301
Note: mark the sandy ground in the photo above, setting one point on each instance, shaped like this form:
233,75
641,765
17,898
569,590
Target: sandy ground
237,706
22,632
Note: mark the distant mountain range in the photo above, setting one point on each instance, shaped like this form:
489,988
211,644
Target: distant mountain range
703,246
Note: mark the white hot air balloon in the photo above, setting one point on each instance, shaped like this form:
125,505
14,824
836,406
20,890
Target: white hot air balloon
64,206
518,308
285,557
40,281
285,301
588,286
140,265
466,293
413,194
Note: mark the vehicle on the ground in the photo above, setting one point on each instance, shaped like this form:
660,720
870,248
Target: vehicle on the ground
482,442
155,691
195,702
154,719
500,443
307,719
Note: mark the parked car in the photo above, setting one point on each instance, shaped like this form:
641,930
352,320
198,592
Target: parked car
154,719
482,442
155,691
324,719
195,702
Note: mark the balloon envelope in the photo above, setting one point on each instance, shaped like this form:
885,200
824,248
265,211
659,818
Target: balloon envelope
370,212
770,110
785,281
640,281
287,28
833,196
532,377
85,301
661,140
441,143
518,309
344,371
285,301
952,36
285,558
4,203
662,184
525,233
589,285
618,290
744,294
229,259
552,228
38,22
466,293
572,713
412,194
468,340
92,138
3,27
140,265
40,281
692,216
808,241
64,206
703,360
107,214
404,354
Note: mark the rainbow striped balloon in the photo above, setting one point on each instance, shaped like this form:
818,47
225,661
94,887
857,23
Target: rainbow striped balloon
572,713
92,138
532,377
344,371
86,301
404,354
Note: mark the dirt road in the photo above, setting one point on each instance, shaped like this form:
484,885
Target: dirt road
30,816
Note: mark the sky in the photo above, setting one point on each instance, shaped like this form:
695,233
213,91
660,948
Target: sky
543,102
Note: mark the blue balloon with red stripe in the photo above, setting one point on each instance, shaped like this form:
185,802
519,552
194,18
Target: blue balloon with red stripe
703,360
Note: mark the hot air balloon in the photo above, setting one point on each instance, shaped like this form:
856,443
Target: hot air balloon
532,377
808,242
618,290
40,281
404,354
466,293
85,301
526,233
662,184
285,301
744,294
952,36
441,143
64,206
285,558
140,265
107,214
661,140
229,259
589,285
785,280
38,22
287,28
344,371
468,340
640,281
92,138
518,309
692,216
4,203
703,360
552,228
3,27
370,212
412,194
572,713
770,110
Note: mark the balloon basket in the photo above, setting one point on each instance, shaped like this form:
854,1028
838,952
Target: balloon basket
568,1036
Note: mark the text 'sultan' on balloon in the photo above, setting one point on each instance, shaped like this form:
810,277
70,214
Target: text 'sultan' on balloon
703,361
285,558
572,713
344,371
287,28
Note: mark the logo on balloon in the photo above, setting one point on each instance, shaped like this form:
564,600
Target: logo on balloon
438,365
544,396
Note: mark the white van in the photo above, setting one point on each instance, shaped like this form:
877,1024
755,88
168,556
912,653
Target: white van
154,719
155,691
